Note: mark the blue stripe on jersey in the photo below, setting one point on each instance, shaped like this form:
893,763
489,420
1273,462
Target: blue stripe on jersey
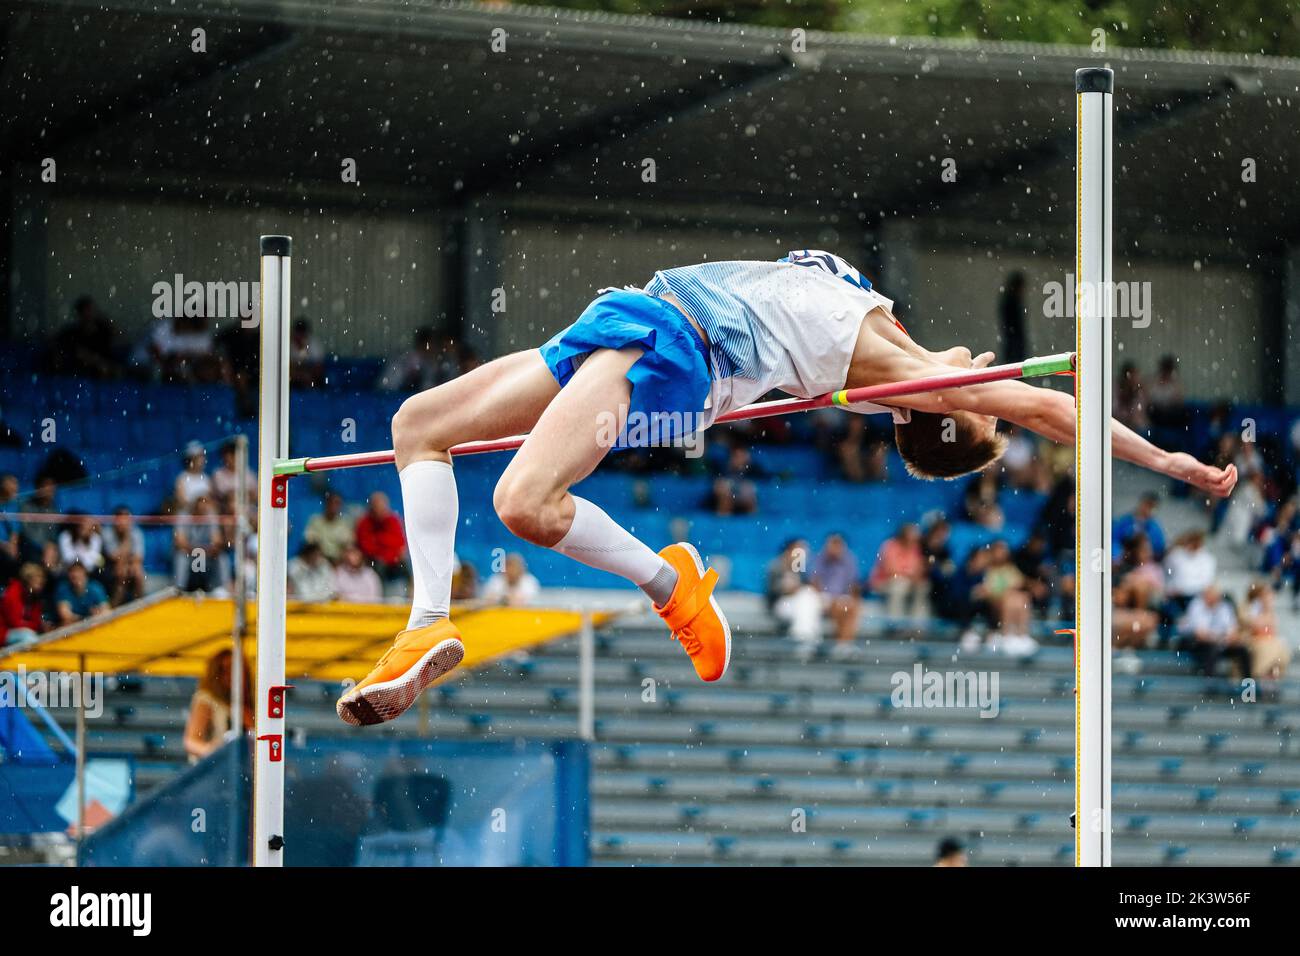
817,259
703,292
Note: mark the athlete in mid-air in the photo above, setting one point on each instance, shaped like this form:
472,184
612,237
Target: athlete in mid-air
696,342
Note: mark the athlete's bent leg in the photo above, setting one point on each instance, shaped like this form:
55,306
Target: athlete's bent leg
533,500
501,398
496,400
569,440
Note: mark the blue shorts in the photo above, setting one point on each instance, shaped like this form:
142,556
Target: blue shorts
670,382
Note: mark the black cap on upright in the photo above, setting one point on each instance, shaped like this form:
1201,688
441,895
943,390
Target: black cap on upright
277,246
1094,79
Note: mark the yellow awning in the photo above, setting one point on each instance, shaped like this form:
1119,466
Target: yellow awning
175,635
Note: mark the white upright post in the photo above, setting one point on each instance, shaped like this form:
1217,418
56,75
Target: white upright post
272,554
1093,92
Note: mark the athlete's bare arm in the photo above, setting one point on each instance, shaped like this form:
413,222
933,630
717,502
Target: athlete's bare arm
1049,413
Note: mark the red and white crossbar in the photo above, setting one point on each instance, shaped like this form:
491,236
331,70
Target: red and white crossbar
1029,368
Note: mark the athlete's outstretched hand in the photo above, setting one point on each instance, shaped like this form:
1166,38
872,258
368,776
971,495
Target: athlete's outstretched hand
1218,482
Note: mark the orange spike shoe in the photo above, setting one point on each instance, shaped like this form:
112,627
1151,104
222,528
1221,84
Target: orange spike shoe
417,658
693,615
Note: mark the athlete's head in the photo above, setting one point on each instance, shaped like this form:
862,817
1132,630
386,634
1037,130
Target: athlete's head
949,445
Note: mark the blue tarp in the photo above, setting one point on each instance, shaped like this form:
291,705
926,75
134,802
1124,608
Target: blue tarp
372,803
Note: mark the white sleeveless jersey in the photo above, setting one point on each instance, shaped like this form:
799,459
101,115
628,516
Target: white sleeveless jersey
788,325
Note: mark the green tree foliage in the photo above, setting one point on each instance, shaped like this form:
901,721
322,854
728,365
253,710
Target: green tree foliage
1237,26
809,14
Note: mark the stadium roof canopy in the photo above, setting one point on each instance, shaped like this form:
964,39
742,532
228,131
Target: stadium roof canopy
174,635
414,92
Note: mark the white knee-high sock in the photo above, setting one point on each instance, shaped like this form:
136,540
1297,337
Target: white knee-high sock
431,509
598,540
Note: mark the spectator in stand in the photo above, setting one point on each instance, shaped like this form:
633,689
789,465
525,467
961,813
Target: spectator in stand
734,492
1281,560
51,561
835,575
1141,570
311,577
79,596
1269,653
861,456
935,542
124,552
356,581
225,476
900,574
199,547
790,598
1284,520
1249,460
11,532
980,501
1039,571
8,491
1004,589
63,466
1065,590
939,563
1133,619
382,540
1142,520
1020,462
209,723
786,572
464,580
1226,449
37,534
87,347
1011,317
951,852
1129,404
1273,533
959,598
22,606
306,356
331,528
1167,405
1210,627
431,361
81,543
1136,600
1190,568
240,351
183,349
513,585
1245,511
193,482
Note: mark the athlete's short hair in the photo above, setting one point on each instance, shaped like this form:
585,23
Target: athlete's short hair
946,446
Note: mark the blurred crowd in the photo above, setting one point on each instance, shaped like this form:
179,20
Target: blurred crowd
198,349
1166,594
58,567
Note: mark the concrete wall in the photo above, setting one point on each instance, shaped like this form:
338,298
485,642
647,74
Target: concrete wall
366,280
1214,318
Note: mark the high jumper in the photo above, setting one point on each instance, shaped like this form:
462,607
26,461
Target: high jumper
694,346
